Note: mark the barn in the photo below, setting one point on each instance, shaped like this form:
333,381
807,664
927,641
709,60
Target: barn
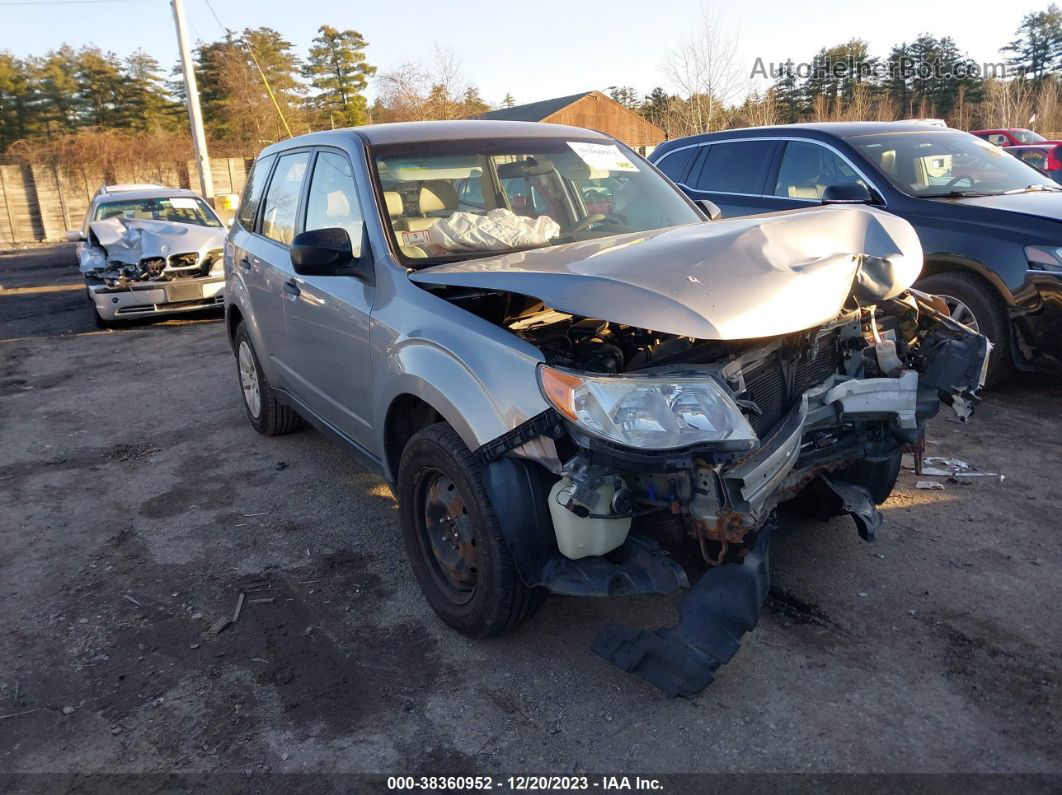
590,109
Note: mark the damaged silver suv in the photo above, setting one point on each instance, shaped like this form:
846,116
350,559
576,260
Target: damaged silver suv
569,376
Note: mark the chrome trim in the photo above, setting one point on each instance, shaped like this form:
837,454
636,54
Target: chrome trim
823,144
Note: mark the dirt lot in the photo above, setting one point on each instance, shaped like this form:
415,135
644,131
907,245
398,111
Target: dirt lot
136,503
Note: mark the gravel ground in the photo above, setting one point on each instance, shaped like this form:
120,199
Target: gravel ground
136,503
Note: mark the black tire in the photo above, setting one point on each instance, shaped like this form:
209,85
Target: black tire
490,597
818,501
987,309
273,417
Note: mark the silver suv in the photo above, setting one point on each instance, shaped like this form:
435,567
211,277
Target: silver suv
571,378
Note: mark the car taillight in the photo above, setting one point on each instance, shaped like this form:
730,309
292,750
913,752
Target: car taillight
1053,162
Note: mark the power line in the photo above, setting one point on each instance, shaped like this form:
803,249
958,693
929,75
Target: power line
58,2
250,51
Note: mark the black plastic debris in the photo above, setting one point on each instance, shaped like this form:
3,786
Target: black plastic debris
723,605
857,501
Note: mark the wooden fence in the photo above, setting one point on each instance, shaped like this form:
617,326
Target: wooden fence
39,203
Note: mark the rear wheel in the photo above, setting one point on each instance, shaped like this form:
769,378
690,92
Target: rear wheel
971,303
455,546
267,415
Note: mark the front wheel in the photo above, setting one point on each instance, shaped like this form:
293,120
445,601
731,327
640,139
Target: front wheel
818,501
970,302
451,534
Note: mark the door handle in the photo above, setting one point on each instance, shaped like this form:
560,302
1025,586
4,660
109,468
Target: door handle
245,263
292,289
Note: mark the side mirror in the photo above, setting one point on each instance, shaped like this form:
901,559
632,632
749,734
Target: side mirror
328,252
74,236
848,193
711,209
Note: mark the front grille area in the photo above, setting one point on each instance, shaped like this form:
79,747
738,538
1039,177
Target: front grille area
765,382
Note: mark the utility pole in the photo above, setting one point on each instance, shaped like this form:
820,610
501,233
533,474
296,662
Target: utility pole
195,115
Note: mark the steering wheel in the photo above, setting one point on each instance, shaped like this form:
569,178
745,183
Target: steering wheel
590,220
955,180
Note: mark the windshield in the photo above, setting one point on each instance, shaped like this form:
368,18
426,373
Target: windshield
947,163
449,200
1027,136
175,209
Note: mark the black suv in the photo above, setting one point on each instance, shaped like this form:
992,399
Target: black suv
989,224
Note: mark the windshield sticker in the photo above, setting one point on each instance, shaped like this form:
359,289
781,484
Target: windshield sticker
183,204
606,157
419,238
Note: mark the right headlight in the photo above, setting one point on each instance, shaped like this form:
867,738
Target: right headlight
648,412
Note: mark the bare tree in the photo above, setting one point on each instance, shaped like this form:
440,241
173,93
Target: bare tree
436,90
704,69
1007,103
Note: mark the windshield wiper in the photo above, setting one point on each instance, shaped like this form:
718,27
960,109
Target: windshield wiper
1031,189
956,194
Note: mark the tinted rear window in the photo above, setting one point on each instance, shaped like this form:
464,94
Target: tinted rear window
674,163
734,167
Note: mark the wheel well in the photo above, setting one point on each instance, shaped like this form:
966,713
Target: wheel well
232,320
931,267
407,415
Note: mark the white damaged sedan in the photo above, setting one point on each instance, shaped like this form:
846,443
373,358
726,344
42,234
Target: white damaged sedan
147,250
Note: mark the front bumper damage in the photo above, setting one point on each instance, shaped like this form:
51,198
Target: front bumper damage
140,268
872,407
114,302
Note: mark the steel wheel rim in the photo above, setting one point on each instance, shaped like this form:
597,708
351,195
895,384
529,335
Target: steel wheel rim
960,312
446,536
252,394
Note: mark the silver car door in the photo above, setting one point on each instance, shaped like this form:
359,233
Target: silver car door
327,317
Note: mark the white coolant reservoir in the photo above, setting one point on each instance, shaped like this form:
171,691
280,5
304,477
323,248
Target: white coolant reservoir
581,537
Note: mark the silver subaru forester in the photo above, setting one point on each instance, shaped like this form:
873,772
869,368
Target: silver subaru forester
572,378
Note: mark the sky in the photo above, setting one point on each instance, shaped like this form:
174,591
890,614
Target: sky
538,50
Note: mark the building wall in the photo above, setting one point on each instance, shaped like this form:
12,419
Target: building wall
599,112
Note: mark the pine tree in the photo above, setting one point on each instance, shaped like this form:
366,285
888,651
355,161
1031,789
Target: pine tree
1037,50
19,115
338,70
57,89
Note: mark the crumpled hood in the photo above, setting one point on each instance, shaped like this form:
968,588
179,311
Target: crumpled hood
130,240
725,280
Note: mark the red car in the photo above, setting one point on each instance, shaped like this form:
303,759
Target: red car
1015,136
1045,157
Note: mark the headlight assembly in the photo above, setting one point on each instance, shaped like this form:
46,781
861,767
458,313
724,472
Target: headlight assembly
1044,258
648,412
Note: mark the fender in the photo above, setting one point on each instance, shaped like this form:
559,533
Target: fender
466,399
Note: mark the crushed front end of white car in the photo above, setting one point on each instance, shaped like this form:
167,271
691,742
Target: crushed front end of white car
142,267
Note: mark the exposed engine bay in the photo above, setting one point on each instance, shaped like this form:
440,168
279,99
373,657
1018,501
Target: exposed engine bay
819,402
763,363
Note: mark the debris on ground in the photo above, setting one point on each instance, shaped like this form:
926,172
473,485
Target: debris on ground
954,469
929,485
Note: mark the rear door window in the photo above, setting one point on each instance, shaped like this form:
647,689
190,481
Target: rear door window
281,203
252,193
733,167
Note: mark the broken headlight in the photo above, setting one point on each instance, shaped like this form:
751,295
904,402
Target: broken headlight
648,412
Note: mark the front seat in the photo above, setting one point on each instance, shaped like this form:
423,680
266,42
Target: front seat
801,178
436,199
